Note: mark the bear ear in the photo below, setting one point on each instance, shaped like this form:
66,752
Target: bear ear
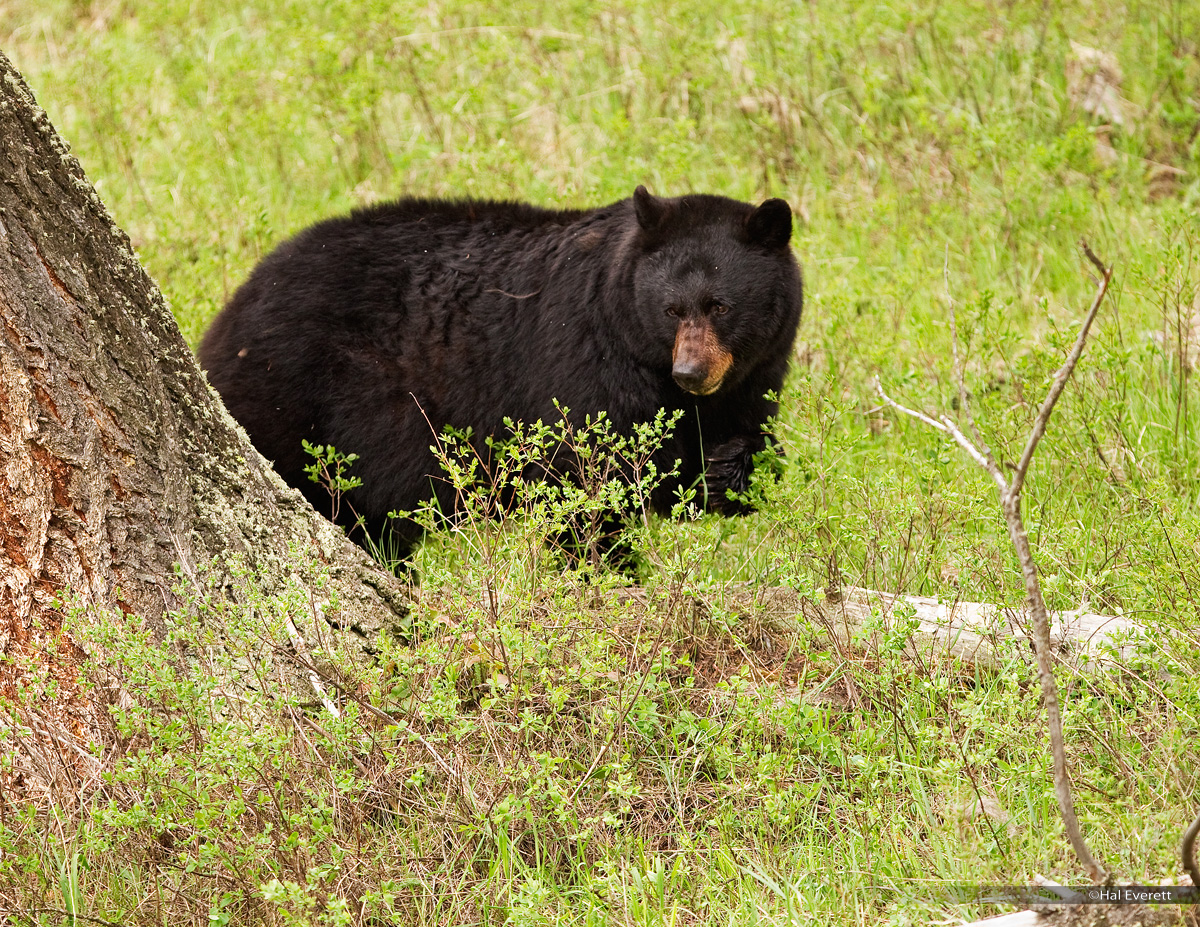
770,225
651,212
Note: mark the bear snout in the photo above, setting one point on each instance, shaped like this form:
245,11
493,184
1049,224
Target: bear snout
689,376
699,361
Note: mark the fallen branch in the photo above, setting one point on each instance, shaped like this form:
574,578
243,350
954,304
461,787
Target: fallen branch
976,632
981,635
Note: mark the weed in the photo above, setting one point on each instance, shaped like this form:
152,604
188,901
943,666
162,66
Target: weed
328,469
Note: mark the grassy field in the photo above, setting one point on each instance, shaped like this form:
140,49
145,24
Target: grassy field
556,750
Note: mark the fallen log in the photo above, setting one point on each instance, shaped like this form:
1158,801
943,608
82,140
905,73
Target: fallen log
977,633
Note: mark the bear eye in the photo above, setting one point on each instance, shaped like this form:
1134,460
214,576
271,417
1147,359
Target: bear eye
675,312
720,308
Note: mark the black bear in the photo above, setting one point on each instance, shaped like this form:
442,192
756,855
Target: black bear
374,331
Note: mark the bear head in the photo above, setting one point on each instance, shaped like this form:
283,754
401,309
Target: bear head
716,281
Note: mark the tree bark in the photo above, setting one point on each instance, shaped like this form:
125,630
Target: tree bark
117,461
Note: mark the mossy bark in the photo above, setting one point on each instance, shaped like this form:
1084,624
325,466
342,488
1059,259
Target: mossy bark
117,462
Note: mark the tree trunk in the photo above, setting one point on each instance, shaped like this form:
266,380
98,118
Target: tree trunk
117,461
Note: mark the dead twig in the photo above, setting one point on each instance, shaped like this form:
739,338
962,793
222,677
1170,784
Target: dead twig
1010,503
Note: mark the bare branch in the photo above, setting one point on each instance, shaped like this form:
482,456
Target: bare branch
1188,851
949,428
1063,374
1096,262
986,462
907,411
1010,504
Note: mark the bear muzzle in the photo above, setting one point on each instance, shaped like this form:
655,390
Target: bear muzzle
699,362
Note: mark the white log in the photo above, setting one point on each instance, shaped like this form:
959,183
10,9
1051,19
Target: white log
978,633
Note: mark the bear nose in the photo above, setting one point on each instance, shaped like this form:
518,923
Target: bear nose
689,375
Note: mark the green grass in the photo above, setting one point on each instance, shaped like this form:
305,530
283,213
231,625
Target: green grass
639,761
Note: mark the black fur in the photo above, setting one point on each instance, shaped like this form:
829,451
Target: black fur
374,331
